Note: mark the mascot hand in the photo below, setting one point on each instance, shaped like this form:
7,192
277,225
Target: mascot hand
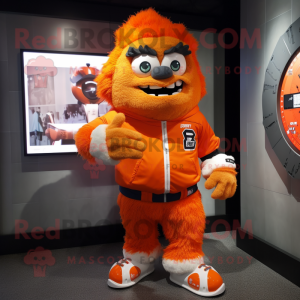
122,142
58,135
225,181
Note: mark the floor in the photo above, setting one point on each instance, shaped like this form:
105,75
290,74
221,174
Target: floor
81,273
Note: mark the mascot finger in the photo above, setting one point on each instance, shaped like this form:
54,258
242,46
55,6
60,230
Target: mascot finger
125,153
219,191
210,183
227,192
123,132
122,143
233,189
118,121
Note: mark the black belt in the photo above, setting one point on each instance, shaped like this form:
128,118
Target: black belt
137,195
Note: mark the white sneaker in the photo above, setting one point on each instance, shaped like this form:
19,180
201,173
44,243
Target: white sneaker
125,273
204,281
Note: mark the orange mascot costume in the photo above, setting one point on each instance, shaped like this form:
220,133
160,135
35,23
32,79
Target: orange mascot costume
154,135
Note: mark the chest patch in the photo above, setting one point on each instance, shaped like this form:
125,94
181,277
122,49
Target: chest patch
185,125
189,142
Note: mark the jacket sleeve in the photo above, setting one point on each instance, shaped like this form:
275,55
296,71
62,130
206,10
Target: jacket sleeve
208,145
207,141
83,138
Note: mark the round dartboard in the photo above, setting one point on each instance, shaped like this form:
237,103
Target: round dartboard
281,100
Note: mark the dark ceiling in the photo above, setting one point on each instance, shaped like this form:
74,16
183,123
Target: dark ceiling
211,8
195,14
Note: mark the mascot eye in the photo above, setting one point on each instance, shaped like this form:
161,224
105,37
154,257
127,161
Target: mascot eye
145,67
45,68
176,62
143,64
175,65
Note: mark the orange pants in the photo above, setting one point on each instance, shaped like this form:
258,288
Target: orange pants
183,223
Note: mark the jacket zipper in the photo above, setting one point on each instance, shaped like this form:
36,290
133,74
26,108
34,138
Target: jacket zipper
166,157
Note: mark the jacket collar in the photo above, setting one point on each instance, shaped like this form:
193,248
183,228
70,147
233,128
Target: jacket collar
144,119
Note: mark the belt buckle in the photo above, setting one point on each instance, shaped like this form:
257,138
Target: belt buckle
190,191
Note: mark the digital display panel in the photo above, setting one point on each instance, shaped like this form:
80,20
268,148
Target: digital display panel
59,94
290,101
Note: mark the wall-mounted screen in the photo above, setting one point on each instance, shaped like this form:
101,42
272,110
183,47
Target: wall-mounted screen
59,94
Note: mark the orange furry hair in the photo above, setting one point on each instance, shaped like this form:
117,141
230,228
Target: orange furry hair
183,223
135,29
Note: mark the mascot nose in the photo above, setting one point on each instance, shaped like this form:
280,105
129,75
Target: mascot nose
161,72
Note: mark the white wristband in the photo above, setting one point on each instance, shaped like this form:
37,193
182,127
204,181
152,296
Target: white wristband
98,147
218,161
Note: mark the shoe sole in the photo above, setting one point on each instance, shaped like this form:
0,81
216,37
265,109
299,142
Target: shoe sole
219,291
116,285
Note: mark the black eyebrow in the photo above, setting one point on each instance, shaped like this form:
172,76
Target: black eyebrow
179,48
132,52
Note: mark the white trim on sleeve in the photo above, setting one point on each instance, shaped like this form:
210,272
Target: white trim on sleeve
98,147
216,162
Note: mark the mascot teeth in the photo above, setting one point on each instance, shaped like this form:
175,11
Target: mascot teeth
155,87
171,89
171,86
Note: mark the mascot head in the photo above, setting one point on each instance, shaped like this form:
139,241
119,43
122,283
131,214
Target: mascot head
153,70
84,86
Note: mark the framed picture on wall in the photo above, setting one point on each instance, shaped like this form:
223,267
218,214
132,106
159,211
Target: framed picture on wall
59,96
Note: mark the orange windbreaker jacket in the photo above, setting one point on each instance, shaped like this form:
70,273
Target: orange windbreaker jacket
170,162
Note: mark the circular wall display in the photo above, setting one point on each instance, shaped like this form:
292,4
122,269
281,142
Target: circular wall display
281,100
289,101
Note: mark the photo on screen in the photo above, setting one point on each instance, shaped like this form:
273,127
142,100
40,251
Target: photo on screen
59,94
